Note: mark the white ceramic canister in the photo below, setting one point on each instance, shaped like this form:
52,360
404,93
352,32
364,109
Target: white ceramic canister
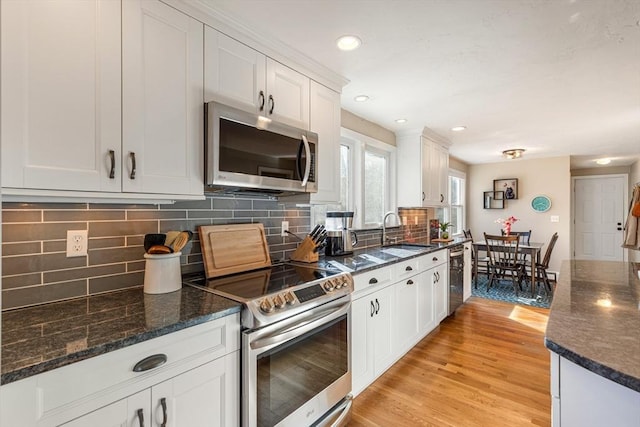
162,273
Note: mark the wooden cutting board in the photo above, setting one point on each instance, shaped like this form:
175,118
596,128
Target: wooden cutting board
233,248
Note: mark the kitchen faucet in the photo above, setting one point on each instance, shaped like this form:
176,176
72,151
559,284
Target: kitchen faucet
384,238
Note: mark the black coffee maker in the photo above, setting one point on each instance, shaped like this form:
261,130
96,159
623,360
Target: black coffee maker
340,239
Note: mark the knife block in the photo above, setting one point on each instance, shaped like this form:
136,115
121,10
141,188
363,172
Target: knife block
306,251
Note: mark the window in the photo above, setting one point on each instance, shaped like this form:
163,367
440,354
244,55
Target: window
457,198
367,179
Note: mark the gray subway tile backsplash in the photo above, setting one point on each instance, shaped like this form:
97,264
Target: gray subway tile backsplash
36,270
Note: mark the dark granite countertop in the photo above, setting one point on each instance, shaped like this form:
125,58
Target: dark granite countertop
363,260
41,338
595,319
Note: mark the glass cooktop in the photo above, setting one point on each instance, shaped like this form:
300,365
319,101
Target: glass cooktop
258,283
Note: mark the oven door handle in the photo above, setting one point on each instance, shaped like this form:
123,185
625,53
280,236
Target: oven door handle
296,326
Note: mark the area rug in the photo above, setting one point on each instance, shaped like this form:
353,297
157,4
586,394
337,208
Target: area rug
502,290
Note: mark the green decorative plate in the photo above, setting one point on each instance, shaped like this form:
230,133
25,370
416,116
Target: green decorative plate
541,203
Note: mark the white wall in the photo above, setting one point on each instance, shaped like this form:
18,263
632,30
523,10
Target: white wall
550,176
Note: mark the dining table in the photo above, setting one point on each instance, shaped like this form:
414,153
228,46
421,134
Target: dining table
531,250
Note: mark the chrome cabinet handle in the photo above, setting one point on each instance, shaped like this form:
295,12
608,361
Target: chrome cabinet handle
150,362
261,98
423,196
409,282
112,157
441,198
272,103
373,281
438,273
408,268
373,308
163,403
140,414
377,306
133,165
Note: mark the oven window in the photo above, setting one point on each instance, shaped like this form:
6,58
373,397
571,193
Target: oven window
293,373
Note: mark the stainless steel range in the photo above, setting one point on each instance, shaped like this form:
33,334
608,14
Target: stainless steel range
296,364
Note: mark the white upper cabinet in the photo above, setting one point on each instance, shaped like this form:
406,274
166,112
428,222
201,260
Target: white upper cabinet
163,113
243,77
61,95
423,170
65,124
325,121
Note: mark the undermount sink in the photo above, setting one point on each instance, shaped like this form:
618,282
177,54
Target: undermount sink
404,249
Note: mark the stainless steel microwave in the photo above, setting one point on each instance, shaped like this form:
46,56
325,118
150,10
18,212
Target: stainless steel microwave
251,152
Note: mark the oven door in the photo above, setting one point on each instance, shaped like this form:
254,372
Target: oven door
298,369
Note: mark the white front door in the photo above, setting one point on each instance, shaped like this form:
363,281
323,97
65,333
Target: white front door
599,211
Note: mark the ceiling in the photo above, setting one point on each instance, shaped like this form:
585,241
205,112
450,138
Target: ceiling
557,78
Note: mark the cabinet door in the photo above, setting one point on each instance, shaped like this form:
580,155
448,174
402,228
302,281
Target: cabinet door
325,121
426,305
440,279
60,94
130,412
204,396
429,175
442,172
363,373
288,95
163,100
383,350
405,322
233,72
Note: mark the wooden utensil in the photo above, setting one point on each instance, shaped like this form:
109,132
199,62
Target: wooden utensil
153,239
181,241
159,249
171,236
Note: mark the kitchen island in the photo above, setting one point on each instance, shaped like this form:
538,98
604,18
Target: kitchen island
594,336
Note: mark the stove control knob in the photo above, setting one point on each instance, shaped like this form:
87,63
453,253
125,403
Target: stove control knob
338,284
328,286
278,301
289,298
266,305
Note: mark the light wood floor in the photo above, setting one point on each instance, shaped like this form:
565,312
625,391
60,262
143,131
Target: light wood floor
485,366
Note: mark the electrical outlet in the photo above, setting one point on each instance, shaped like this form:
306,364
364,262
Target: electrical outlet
555,218
77,241
285,228
415,220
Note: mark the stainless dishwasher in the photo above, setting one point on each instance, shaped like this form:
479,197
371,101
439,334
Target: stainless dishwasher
456,277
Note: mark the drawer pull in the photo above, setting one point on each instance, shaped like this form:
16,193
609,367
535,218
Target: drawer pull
409,282
373,281
408,268
163,402
112,171
435,258
150,362
140,414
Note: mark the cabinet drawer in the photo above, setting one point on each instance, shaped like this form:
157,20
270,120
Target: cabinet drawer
110,376
406,268
432,260
372,279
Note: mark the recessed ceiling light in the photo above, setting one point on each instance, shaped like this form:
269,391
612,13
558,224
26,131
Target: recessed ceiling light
603,161
348,42
401,121
361,98
458,128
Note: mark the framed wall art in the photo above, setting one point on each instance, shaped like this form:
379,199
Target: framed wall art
508,185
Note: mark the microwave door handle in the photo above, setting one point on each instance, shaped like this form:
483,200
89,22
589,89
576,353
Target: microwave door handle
307,167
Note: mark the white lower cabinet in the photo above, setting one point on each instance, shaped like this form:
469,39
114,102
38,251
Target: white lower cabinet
583,398
389,316
197,386
372,349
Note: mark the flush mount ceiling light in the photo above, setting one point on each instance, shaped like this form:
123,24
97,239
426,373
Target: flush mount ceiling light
361,98
348,42
514,153
603,161
401,121
458,128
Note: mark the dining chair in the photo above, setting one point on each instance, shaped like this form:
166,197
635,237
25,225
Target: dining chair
479,258
525,236
541,267
504,260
